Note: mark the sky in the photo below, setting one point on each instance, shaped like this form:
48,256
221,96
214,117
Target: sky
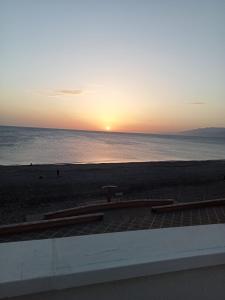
121,65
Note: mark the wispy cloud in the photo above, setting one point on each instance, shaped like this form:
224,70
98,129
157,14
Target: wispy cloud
197,103
68,92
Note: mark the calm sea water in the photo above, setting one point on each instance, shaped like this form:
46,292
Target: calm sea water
20,145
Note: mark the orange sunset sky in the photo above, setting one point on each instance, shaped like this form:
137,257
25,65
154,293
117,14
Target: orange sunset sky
138,66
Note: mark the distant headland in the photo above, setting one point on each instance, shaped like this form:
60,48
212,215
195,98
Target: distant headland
206,132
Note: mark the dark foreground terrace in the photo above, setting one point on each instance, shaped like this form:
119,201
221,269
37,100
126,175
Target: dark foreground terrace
127,219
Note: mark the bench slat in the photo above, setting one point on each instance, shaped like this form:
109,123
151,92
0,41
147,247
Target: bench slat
45,224
188,205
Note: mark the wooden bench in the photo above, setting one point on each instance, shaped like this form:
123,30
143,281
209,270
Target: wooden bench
46,224
188,205
105,206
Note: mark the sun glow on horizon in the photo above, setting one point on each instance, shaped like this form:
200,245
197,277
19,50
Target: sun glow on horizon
108,128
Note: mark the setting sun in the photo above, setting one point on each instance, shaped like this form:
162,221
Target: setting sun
108,128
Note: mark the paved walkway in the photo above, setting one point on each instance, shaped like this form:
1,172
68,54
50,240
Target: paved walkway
130,219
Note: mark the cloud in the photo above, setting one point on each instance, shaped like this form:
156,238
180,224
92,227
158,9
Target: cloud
57,93
197,103
68,92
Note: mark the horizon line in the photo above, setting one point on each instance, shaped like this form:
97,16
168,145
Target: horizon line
86,130
117,132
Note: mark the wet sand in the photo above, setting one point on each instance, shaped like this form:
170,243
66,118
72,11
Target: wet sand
38,188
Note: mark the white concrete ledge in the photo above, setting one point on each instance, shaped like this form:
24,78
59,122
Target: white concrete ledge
32,267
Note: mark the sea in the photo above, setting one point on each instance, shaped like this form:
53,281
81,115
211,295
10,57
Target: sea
23,145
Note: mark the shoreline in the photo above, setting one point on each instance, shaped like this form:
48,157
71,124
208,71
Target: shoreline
114,163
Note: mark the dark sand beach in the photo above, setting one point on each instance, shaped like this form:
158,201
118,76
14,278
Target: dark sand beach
36,189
